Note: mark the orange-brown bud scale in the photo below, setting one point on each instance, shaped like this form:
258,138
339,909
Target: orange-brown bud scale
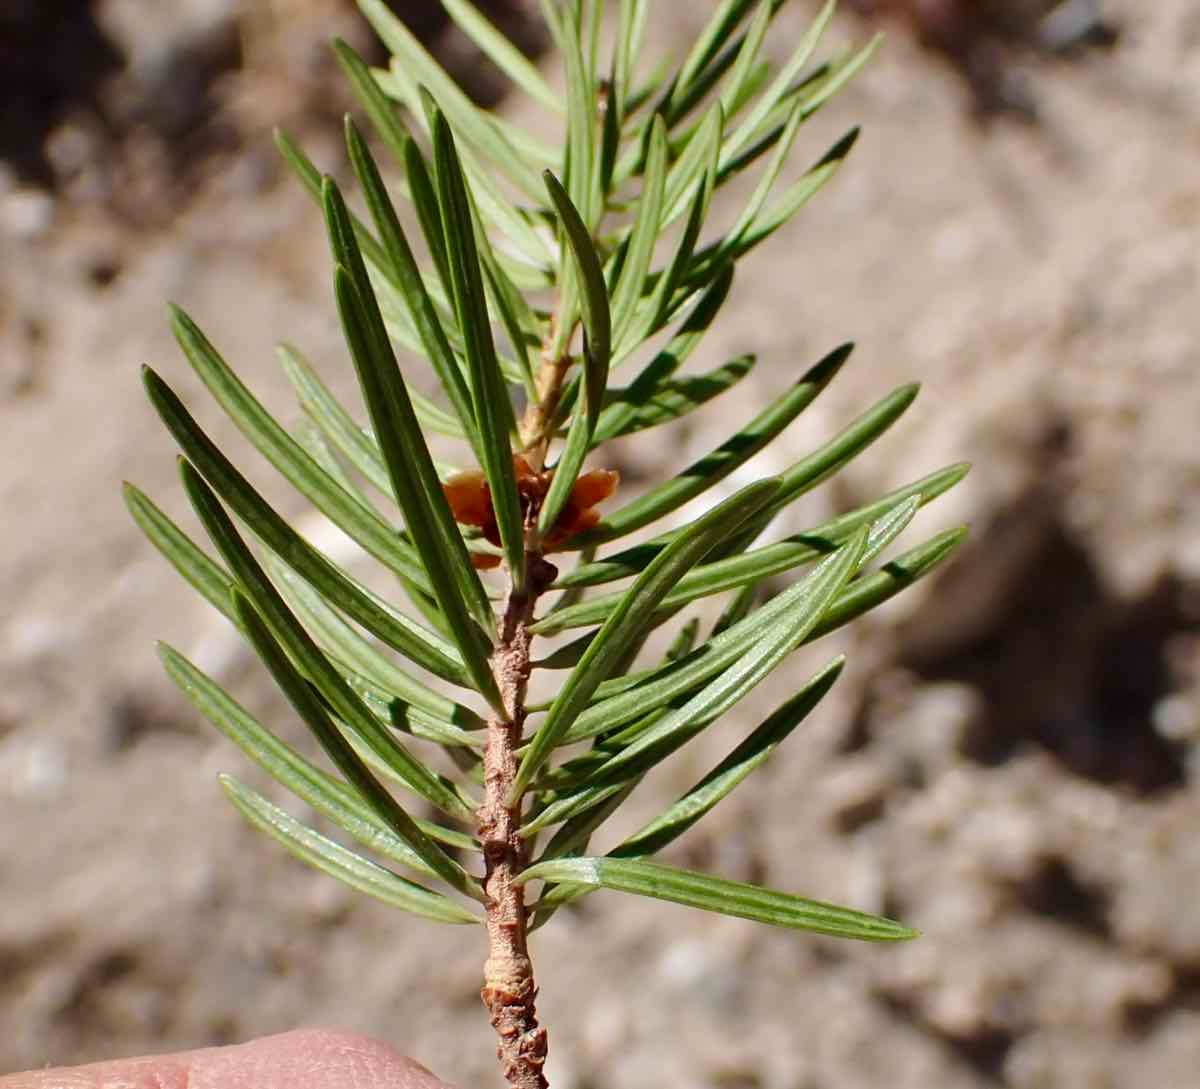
469,497
594,487
470,500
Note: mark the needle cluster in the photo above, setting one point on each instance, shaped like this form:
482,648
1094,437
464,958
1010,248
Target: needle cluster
540,272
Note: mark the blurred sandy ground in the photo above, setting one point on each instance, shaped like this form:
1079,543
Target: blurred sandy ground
1010,763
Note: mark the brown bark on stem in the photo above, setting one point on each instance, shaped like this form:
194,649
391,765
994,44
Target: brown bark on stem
539,414
509,990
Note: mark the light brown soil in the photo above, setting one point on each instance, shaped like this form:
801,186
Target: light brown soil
1010,763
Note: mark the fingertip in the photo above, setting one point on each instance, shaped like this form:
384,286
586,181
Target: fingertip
313,1058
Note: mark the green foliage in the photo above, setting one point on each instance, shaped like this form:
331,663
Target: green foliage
534,274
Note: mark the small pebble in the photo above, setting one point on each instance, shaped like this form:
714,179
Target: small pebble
26,214
1175,719
33,767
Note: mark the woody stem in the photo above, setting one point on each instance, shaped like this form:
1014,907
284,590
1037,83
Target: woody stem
509,990
539,415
